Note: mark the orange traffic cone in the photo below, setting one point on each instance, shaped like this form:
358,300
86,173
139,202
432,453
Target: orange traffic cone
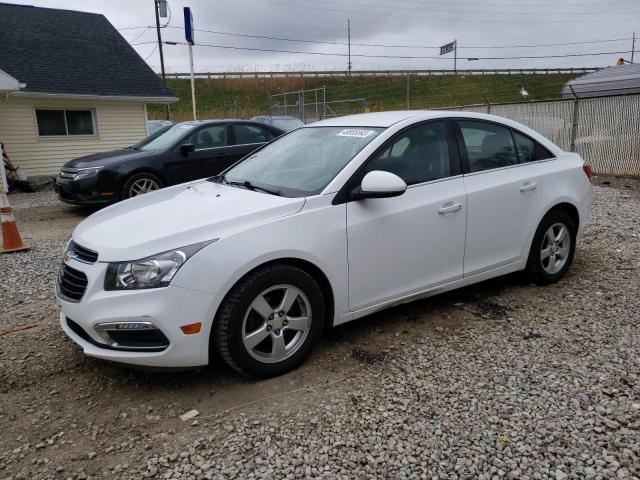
11,241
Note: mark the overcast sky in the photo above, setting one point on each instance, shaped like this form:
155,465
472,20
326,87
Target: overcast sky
425,23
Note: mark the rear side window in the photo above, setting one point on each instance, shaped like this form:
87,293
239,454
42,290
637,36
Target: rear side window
251,134
419,154
529,150
488,145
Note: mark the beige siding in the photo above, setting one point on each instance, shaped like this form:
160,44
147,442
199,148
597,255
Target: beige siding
119,124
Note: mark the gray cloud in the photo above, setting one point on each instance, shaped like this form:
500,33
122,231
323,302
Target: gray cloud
406,22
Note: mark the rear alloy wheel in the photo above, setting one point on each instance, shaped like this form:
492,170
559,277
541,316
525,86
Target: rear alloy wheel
270,321
552,248
141,183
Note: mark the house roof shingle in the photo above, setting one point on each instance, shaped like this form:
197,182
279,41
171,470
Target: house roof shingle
70,52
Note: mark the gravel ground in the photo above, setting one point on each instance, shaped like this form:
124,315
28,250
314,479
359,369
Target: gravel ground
498,380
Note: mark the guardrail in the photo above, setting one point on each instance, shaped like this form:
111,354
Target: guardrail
386,73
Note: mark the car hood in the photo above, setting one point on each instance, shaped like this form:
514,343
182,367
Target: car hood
103,159
177,216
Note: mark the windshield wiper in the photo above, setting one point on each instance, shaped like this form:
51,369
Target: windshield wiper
220,178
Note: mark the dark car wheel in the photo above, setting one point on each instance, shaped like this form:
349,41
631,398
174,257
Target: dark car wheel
552,248
270,321
141,183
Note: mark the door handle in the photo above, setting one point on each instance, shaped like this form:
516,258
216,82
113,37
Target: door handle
449,207
528,186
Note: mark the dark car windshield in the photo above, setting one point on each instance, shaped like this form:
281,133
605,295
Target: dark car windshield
165,138
304,161
151,137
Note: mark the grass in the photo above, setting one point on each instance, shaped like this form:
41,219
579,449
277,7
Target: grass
216,98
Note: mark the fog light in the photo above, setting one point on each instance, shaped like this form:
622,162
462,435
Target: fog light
191,329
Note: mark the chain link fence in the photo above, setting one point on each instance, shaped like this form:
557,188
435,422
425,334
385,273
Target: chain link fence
603,130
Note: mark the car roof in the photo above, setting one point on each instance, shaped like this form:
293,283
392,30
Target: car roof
386,119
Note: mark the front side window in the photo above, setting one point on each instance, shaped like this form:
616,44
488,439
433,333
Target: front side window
166,139
213,136
488,145
304,161
419,154
65,122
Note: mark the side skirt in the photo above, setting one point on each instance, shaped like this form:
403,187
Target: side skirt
479,277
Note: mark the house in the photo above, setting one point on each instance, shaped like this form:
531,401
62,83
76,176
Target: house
616,80
70,85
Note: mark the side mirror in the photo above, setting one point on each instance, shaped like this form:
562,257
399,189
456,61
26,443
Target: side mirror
187,148
379,184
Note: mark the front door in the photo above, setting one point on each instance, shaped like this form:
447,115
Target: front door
403,245
210,157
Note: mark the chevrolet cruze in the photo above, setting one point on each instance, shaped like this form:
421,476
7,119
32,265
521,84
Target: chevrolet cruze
324,225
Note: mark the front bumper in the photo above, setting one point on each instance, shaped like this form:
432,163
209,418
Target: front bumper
88,191
165,308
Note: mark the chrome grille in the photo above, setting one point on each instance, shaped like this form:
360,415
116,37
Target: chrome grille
72,283
81,253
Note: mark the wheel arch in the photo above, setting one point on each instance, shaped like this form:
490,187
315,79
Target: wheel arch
569,209
564,205
309,267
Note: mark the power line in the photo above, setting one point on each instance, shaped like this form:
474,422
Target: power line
416,57
475,12
386,15
326,42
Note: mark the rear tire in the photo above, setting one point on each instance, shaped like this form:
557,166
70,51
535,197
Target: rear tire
139,184
552,249
270,321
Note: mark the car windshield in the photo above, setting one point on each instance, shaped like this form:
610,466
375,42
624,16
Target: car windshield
151,137
304,161
287,124
165,138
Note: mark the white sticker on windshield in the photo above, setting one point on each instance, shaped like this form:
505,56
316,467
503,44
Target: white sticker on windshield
355,132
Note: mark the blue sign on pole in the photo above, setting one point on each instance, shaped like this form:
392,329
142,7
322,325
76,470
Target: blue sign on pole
188,25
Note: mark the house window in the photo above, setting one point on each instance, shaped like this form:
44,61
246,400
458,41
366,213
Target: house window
65,122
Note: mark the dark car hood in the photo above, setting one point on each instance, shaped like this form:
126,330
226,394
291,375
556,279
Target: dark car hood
108,158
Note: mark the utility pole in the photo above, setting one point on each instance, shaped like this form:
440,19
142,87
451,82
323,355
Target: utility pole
156,9
455,55
408,94
349,43
633,47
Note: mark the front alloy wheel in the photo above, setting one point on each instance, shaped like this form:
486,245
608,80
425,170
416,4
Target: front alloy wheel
276,323
269,321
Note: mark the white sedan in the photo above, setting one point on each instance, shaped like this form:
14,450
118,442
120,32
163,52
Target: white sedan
322,226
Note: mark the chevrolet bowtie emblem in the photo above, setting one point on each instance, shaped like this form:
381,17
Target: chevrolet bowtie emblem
65,256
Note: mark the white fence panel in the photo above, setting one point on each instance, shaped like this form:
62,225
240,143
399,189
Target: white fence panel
608,134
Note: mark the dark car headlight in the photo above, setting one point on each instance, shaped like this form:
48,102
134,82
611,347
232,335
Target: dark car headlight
150,272
83,173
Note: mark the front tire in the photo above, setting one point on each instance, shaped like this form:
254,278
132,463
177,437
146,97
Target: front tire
552,248
139,184
270,321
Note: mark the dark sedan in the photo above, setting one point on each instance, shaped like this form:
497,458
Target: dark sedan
181,153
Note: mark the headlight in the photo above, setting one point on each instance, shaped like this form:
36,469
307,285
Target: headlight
151,272
86,173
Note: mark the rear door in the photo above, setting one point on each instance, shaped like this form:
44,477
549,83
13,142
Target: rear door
402,245
506,191
245,138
